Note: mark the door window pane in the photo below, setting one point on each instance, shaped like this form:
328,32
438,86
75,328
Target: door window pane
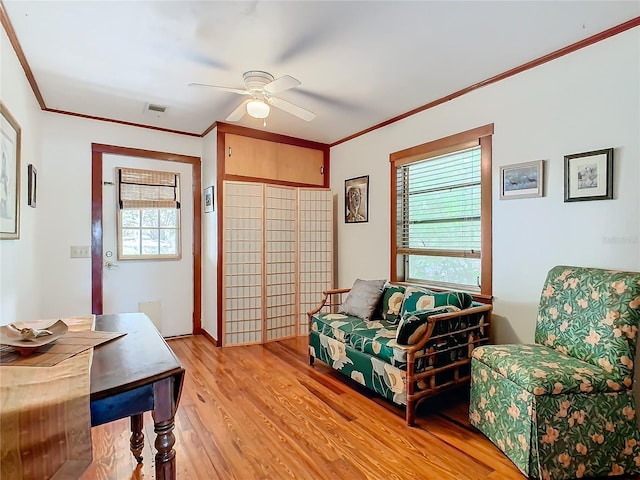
168,242
130,241
150,241
130,218
150,217
168,217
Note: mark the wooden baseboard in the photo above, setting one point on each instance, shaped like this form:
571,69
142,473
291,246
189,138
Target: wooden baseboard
208,336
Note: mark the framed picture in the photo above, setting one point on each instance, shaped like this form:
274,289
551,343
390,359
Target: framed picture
356,199
522,180
588,176
10,134
32,185
208,200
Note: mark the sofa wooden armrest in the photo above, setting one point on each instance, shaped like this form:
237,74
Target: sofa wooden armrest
331,299
443,317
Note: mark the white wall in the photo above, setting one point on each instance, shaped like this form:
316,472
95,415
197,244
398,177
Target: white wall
584,101
65,201
210,237
19,259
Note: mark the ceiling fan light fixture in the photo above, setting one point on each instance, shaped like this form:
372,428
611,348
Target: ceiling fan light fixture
258,109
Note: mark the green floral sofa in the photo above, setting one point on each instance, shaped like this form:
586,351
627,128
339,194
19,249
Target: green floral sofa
564,407
416,344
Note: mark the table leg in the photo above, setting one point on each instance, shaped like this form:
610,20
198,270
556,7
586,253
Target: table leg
137,437
163,416
166,456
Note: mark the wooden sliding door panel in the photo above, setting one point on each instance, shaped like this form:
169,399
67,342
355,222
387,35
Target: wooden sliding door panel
243,255
250,157
280,262
315,224
300,164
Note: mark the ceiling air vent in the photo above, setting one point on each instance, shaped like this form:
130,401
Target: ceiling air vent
155,109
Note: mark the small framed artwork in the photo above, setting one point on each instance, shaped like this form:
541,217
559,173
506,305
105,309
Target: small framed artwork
522,180
10,134
208,200
588,176
356,199
32,185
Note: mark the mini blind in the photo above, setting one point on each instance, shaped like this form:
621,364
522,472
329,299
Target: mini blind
439,205
148,189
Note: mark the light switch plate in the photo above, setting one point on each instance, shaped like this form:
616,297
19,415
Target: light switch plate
80,251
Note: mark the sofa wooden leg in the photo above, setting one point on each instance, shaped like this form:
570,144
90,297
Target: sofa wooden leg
410,414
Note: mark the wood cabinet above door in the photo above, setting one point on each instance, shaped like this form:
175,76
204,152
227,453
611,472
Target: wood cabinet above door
250,157
300,164
264,159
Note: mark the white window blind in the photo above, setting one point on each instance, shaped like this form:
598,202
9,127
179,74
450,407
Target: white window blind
439,218
148,189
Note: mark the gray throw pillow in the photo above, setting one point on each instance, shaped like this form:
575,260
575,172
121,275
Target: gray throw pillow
363,298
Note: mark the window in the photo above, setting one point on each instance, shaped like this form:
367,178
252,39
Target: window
148,214
441,208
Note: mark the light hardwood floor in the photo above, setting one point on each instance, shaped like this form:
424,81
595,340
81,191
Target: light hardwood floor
261,412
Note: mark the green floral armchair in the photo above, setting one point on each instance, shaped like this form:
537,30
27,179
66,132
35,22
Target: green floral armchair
564,407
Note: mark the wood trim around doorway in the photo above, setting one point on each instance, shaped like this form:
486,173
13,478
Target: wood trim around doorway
97,152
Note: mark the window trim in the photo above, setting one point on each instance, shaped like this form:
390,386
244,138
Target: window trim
478,136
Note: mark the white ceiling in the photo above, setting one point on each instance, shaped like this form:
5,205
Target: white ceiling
360,62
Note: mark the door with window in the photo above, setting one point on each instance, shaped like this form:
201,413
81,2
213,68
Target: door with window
148,240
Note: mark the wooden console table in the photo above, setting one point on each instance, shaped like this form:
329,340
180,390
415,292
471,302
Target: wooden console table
134,374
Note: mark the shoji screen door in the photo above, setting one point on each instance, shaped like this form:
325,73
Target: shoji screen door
280,262
242,257
315,213
277,259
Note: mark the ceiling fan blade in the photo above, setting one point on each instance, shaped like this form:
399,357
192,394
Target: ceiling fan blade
238,113
226,89
332,100
203,59
184,51
281,84
292,109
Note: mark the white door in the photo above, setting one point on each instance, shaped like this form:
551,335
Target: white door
161,288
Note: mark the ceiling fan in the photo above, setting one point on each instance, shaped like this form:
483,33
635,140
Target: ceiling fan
262,88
